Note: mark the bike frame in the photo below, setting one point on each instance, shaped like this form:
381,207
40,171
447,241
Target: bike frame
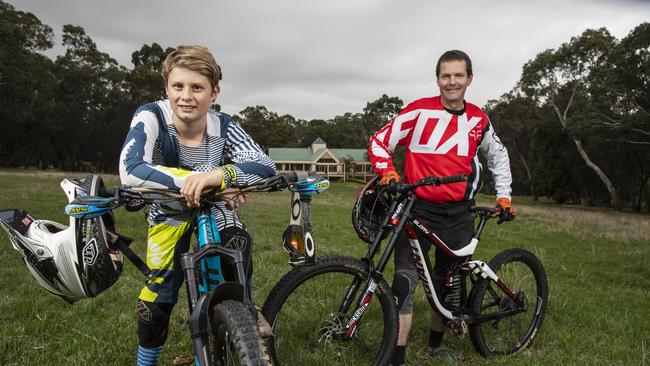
399,218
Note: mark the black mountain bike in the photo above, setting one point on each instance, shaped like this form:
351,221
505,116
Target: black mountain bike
326,313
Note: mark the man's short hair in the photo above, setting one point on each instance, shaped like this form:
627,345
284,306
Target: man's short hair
454,55
195,58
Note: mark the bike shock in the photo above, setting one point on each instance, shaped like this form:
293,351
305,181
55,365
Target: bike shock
453,284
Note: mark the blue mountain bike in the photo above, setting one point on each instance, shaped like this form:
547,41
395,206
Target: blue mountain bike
85,258
223,321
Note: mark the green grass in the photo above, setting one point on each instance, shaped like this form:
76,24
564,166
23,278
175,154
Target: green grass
596,261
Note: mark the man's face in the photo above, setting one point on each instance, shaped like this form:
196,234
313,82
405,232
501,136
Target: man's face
453,81
190,94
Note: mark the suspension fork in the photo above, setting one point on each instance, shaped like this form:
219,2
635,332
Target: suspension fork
211,266
399,217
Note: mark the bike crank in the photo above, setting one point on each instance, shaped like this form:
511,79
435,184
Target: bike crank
459,328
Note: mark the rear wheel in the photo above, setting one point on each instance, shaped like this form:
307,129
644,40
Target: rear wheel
235,337
524,275
309,325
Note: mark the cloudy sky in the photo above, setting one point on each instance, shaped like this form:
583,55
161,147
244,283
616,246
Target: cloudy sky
320,59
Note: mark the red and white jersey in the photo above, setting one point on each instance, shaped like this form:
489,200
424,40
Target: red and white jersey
441,142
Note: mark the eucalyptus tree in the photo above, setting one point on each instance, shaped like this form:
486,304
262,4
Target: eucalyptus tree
560,79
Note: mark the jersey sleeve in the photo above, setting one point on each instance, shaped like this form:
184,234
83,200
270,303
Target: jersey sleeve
383,142
136,158
498,162
249,163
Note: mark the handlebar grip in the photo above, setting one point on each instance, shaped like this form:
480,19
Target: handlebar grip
107,192
296,175
290,177
453,179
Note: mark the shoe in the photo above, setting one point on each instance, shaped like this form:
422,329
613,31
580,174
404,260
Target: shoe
441,353
264,326
183,361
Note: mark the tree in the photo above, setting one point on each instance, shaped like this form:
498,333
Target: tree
622,109
26,87
91,101
377,113
515,118
267,128
145,80
559,78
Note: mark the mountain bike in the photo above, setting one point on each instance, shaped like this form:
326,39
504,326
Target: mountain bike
222,318
340,310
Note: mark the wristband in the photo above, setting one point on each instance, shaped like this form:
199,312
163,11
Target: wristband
229,176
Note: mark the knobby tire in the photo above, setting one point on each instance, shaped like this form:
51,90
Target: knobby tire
236,336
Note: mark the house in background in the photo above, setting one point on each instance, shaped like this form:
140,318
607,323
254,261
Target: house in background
330,163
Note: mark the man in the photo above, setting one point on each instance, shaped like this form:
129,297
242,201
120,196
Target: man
442,136
180,143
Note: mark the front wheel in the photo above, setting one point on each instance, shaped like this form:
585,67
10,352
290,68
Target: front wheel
508,325
309,322
235,336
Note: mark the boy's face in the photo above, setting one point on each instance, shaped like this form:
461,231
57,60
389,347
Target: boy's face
190,94
453,82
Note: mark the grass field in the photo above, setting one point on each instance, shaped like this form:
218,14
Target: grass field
596,260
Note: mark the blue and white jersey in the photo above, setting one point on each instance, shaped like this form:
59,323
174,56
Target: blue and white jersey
152,157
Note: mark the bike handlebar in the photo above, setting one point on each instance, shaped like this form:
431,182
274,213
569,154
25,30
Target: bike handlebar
428,181
125,194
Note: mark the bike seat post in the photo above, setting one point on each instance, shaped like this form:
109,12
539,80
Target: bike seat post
483,218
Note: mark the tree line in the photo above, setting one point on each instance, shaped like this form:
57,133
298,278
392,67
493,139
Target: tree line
576,124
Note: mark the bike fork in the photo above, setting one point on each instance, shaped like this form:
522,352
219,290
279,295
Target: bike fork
364,301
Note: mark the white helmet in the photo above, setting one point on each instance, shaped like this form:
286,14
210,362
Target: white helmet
76,261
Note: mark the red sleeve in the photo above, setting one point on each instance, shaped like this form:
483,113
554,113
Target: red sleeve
397,132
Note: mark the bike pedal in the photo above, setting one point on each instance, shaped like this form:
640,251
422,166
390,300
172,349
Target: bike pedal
459,330
183,360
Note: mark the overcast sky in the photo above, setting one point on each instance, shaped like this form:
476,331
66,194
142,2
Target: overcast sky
320,59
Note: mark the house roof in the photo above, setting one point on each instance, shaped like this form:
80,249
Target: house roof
319,141
306,154
355,154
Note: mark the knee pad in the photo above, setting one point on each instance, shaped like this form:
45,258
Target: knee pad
153,323
404,284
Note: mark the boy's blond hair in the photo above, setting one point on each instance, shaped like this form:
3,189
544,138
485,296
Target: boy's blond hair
195,58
